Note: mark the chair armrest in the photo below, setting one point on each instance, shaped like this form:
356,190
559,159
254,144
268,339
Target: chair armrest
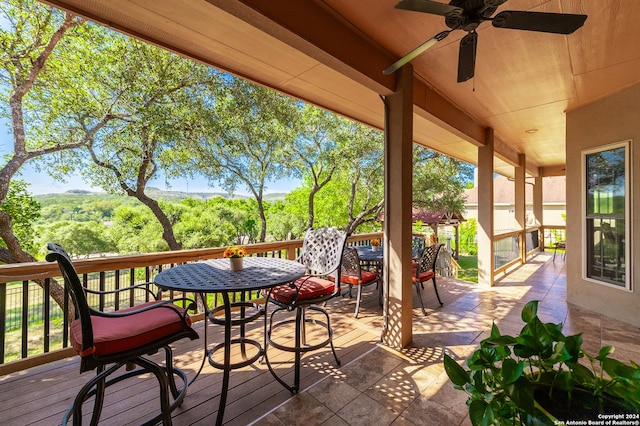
144,286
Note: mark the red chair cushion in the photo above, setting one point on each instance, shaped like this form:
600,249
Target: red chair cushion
113,335
310,288
353,279
424,276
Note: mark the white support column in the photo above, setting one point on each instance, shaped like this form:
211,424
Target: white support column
538,208
398,166
520,204
486,262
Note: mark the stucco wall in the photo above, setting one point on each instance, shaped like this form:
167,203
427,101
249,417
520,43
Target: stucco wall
613,119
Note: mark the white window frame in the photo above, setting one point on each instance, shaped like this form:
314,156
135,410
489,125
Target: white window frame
626,144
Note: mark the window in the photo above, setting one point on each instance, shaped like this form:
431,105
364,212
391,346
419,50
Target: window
606,227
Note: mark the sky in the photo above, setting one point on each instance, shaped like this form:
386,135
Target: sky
40,183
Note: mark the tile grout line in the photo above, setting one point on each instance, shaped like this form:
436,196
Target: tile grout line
377,345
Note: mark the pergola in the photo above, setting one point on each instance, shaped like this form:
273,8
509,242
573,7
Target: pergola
510,119
435,220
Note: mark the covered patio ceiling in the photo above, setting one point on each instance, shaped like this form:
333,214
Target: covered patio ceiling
332,52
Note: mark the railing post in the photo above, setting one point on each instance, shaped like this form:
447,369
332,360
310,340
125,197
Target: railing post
3,319
291,252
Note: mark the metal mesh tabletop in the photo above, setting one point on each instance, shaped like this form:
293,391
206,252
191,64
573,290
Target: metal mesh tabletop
365,253
213,276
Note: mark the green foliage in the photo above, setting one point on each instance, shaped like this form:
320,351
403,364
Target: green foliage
214,223
78,238
198,223
157,114
439,181
24,210
283,223
505,372
135,230
468,231
248,139
330,211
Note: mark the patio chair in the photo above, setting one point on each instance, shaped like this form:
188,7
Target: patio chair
426,270
562,245
107,341
353,275
322,255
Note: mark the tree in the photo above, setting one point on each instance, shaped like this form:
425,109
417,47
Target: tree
23,210
364,170
439,181
78,238
161,121
36,44
468,232
213,223
135,230
251,129
318,150
26,58
283,223
341,164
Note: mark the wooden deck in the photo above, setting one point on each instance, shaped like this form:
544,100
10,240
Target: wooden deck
42,394
374,384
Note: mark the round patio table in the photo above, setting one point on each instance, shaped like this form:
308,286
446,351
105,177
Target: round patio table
216,276
366,254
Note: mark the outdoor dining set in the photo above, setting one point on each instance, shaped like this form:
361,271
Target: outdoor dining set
291,292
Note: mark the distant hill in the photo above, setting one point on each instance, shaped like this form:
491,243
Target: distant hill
159,194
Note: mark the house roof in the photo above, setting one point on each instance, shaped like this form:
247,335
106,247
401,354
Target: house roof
430,218
553,191
332,53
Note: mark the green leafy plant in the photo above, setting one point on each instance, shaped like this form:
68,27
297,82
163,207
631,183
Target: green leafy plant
539,377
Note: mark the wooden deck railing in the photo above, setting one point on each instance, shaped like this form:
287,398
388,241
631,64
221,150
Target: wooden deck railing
512,248
35,327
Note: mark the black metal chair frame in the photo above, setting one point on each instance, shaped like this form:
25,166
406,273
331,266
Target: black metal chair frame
560,245
427,262
322,251
352,266
90,361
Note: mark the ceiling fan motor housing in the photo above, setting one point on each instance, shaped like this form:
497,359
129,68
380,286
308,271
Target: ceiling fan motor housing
471,13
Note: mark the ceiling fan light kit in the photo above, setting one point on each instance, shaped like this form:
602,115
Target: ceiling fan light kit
466,15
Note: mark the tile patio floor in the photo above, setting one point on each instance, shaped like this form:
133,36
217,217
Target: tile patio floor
410,387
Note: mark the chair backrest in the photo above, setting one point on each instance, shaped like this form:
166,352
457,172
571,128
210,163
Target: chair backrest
74,286
429,256
322,251
351,263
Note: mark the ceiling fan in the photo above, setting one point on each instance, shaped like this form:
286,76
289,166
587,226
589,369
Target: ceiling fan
466,15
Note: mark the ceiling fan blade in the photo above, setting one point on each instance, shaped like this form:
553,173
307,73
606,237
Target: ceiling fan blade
546,22
428,6
416,52
467,56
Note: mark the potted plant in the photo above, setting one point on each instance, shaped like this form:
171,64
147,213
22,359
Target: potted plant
375,244
235,255
537,378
